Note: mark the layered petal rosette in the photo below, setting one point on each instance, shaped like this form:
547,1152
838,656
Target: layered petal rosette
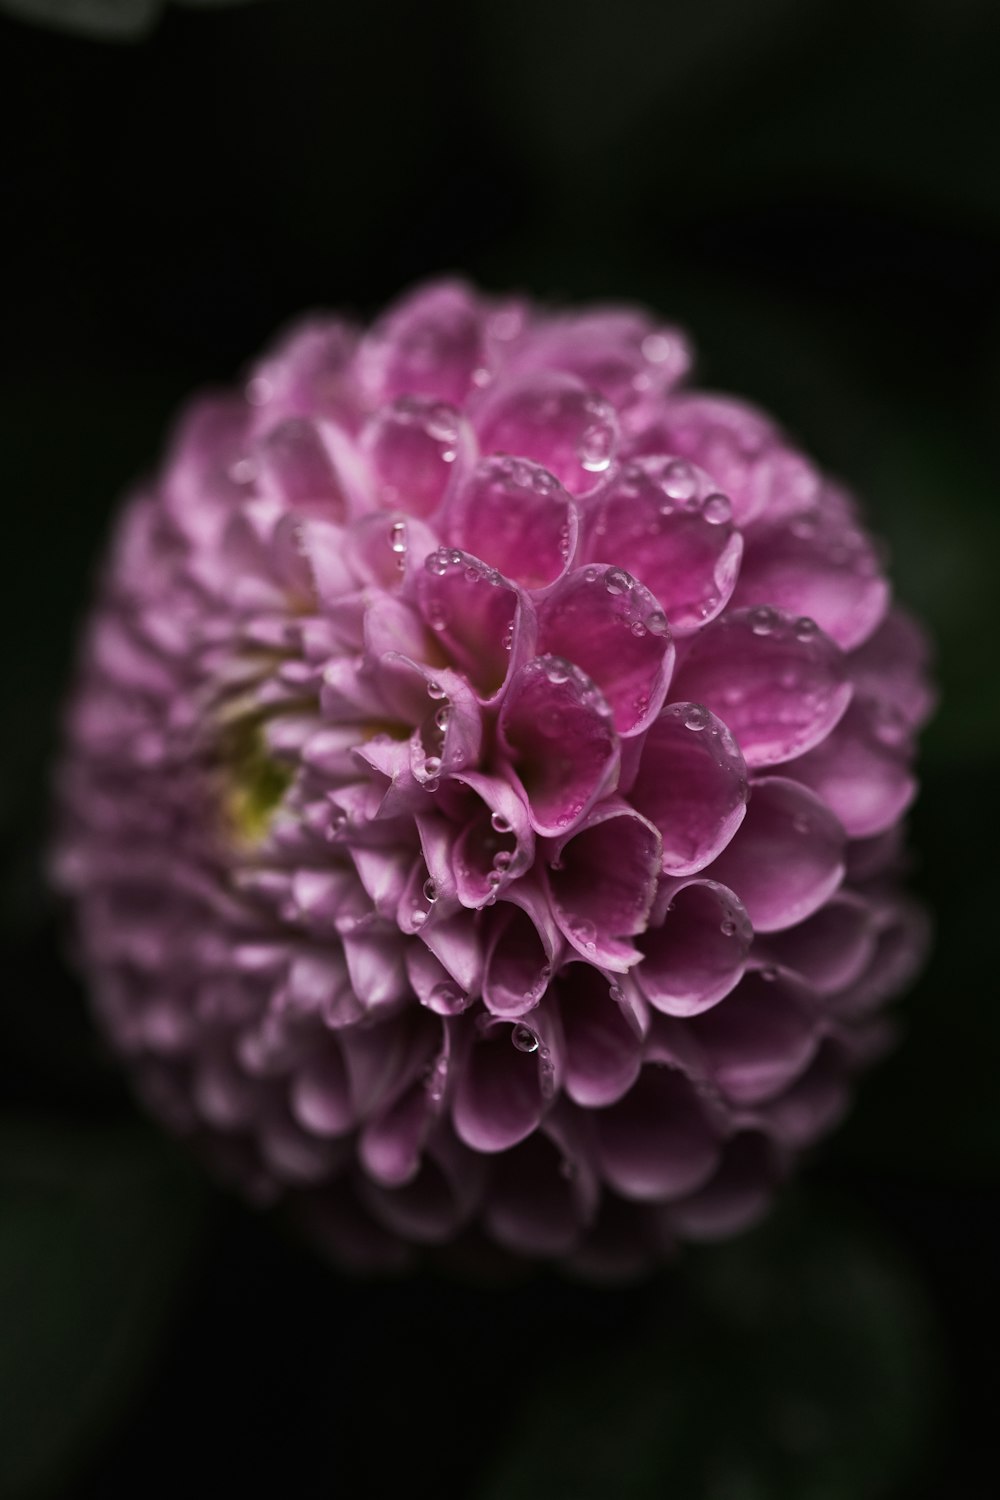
484,784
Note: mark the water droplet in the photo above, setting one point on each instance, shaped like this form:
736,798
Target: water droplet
638,628
770,974
583,931
656,622
437,563
801,824
716,509
805,628
442,717
728,928
524,1038
762,619
500,823
507,639
259,390
397,541
696,717
430,891
656,348
678,481
616,993
435,690
557,671
502,859
418,917
616,581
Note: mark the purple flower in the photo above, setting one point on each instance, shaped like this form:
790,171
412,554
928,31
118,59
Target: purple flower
484,787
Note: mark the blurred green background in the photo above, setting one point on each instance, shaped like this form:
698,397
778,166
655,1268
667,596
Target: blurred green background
813,189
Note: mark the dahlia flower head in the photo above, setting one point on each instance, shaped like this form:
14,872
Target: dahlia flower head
484,783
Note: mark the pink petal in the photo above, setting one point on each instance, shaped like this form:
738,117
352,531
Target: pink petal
863,777
667,523
540,1199
415,447
617,351
655,1143
202,481
497,843
429,343
383,549
760,1039
779,686
512,1072
819,568
830,949
692,784
698,953
736,1196
603,1047
311,468
813,1104
321,1096
485,624
556,728
892,668
433,1204
612,627
518,963
602,880
551,417
517,517
789,857
307,373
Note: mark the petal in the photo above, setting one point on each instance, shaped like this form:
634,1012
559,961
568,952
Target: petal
692,784
415,447
383,549
551,417
536,1205
603,1047
789,857
830,949
603,880
518,962
818,567
864,779
202,486
760,1039
512,1072
656,1143
429,343
497,843
617,351
666,522
698,953
556,728
307,373
433,1204
893,667
612,627
320,1097
779,687
484,624
736,1196
814,1102
517,517
311,468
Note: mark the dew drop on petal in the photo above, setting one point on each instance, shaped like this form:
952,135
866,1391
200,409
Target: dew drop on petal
524,1038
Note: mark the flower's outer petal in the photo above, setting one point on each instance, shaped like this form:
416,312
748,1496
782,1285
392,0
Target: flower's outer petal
618,351
779,686
512,1072
892,669
306,373
603,879
614,629
830,949
698,953
789,857
415,447
384,548
496,844
515,516
312,468
819,568
760,1038
737,1195
484,623
521,951
552,418
202,484
556,728
813,1104
656,1143
692,784
667,523
861,771
431,1206
430,343
901,948
543,1193
603,1044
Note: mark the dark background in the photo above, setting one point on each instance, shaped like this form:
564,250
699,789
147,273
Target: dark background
813,189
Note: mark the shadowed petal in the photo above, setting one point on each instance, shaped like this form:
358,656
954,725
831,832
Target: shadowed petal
603,1045
861,772
516,517
603,880
656,1143
512,1072
692,784
759,1039
483,623
697,954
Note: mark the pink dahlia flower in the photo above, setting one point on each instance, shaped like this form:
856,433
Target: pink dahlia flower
484,786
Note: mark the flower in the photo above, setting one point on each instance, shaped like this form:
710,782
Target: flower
484,787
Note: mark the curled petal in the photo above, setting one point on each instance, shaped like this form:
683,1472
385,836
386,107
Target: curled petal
556,728
543,1193
760,1039
552,418
892,669
602,880
306,374
667,523
603,1045
692,784
617,351
817,567
737,1195
484,623
830,949
202,486
612,627
813,1104
789,857
521,952
311,468
415,447
656,1143
779,684
512,1072
496,844
517,517
430,343
437,1200
698,953
860,772
383,548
